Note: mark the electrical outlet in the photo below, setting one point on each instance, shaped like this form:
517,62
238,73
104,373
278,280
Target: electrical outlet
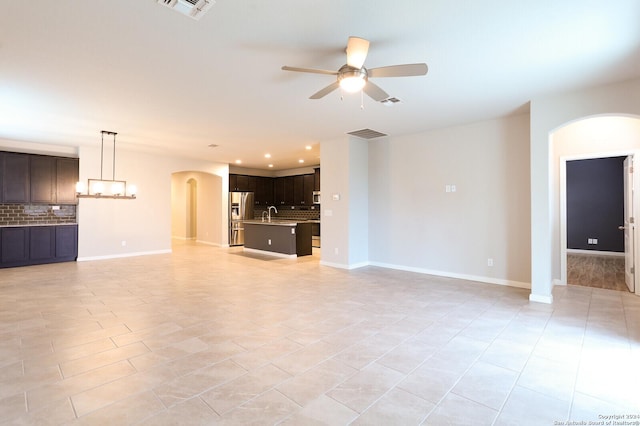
490,262
124,243
269,241
336,251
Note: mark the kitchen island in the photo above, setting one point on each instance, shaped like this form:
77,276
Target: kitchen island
284,238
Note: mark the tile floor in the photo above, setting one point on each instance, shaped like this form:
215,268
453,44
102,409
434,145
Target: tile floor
211,336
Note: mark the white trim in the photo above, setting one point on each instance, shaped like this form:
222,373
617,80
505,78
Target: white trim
595,253
558,282
538,298
119,256
270,253
343,266
478,278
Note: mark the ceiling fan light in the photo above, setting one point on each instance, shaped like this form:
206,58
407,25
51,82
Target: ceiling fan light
352,84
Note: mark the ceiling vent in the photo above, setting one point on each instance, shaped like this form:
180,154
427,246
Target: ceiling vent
390,101
191,8
366,134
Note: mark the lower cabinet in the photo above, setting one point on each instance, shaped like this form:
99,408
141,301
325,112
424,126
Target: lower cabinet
33,245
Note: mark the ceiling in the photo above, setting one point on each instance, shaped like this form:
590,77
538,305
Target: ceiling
174,85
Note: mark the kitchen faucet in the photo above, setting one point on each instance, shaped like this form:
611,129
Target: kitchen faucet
263,213
269,211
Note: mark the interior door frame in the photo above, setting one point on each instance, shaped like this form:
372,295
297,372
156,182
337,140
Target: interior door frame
563,205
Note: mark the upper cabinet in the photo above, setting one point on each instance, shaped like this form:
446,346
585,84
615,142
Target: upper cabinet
316,179
15,178
287,190
264,191
42,178
66,178
242,183
28,178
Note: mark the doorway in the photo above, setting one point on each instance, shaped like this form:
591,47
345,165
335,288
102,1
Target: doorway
191,217
595,210
597,228
586,138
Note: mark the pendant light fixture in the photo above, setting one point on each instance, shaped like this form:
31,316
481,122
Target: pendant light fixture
106,188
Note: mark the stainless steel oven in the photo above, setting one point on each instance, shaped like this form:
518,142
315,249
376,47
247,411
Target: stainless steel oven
316,197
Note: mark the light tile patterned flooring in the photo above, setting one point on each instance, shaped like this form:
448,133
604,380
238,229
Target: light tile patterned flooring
210,336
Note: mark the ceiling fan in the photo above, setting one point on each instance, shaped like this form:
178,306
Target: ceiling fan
353,76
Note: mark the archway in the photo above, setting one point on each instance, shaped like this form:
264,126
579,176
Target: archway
191,216
587,138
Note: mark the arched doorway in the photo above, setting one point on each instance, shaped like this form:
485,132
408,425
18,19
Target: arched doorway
191,216
595,137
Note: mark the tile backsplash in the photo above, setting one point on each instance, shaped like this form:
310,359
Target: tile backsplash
286,212
36,214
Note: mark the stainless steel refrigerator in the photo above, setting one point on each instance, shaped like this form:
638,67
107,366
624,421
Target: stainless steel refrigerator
240,209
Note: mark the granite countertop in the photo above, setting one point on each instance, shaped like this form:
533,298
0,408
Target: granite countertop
278,222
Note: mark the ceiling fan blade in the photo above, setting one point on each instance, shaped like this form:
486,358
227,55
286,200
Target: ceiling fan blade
309,70
324,92
375,92
407,70
357,49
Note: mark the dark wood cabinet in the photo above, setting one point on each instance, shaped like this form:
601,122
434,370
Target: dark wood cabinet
308,188
66,243
264,191
42,243
42,179
298,190
278,190
316,179
33,245
289,188
242,183
15,178
14,246
67,174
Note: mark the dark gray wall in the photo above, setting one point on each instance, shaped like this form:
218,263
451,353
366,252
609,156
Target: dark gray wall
595,204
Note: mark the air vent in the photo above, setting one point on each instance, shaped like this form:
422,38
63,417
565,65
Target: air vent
390,101
192,8
366,134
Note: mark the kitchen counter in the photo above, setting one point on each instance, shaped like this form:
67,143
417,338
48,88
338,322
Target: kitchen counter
38,224
280,237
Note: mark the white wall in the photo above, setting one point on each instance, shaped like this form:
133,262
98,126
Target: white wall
415,225
209,199
547,115
345,202
144,223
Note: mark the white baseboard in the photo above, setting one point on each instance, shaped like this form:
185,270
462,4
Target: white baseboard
344,266
541,299
556,281
119,256
595,253
482,279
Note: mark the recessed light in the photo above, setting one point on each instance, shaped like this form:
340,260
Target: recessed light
270,165
301,161
212,145
238,161
308,147
267,156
